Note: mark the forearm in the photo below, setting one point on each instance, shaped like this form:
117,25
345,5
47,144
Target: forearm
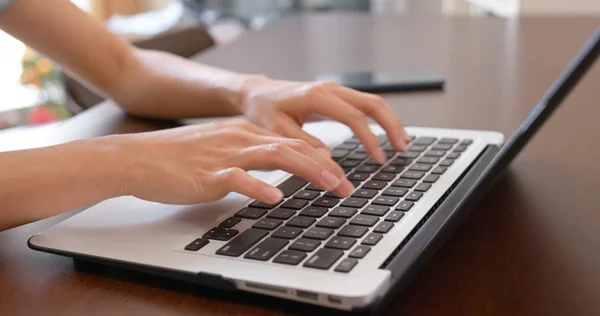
143,82
167,86
39,183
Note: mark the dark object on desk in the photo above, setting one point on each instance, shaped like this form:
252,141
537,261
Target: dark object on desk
375,82
184,43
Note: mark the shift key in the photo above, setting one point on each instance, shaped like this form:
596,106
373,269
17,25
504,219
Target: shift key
238,245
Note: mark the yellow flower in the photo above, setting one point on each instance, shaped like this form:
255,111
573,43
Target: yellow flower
43,66
28,76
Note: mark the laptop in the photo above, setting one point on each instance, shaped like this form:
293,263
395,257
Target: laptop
351,254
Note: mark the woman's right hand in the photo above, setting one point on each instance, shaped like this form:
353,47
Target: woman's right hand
203,163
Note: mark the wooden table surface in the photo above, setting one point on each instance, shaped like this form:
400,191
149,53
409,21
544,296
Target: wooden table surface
532,247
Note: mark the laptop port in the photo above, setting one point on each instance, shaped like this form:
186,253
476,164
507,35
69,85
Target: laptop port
307,295
264,287
334,300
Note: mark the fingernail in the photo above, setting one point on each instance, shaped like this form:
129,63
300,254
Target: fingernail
324,151
273,195
330,180
380,156
346,187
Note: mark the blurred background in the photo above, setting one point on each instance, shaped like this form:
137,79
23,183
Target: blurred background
34,91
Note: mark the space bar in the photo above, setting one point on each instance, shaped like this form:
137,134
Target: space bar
291,185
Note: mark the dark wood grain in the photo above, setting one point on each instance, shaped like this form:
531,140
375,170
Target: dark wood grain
531,248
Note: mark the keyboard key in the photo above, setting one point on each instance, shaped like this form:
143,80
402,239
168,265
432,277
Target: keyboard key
372,239
350,163
266,249
339,153
401,162
382,139
446,162
453,155
294,204
345,212
466,142
431,178
394,216
343,243
404,206
423,187
392,169
416,175
354,202
301,221
330,195
377,185
383,227
267,223
197,244
313,187
290,257
314,211
219,233
358,176
281,213
385,200
359,252
291,185
443,147
384,176
286,232
318,233
417,148
242,242
428,160
260,204
230,222
353,231
353,140
346,265
438,170
346,146
420,167
393,191
324,258
404,183
367,168
331,222
377,210
306,195
460,149
448,141
358,156
409,155
425,140
326,202
364,193
306,245
414,196
364,220
251,213
435,153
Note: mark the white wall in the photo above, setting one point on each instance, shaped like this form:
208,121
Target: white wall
560,7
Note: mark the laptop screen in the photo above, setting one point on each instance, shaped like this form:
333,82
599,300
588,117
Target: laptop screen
548,103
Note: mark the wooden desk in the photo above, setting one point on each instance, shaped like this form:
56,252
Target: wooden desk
531,248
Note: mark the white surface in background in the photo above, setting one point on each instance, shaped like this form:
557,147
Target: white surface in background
12,94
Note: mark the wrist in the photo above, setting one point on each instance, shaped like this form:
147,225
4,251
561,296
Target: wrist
247,83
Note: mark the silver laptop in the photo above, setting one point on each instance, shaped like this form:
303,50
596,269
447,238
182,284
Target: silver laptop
349,254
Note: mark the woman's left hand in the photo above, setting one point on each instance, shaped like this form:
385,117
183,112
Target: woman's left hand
283,106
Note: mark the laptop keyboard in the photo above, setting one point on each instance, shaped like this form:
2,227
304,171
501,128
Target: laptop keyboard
316,229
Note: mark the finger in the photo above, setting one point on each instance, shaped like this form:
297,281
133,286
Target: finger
280,156
338,109
375,106
239,181
288,128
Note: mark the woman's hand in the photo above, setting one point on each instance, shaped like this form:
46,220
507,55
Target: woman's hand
203,163
283,106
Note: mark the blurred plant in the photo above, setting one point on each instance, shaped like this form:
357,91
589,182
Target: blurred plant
42,73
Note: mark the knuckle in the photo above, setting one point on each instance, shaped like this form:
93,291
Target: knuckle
298,144
378,101
357,116
275,150
232,173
